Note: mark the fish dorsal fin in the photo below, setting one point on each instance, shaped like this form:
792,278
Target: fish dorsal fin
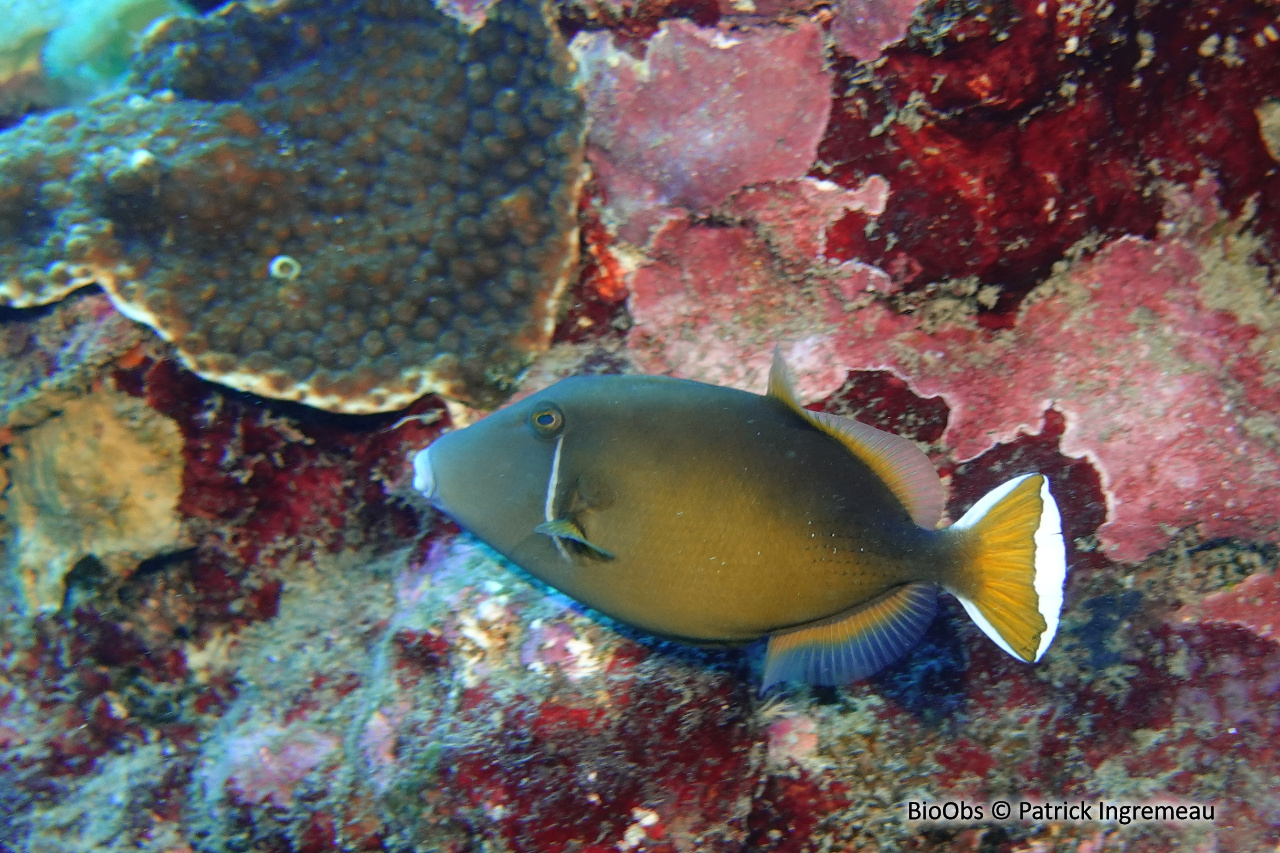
903,467
855,644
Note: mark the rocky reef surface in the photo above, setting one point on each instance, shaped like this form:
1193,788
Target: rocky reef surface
1027,235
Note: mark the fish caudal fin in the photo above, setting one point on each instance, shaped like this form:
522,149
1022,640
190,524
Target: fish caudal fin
1014,567
855,644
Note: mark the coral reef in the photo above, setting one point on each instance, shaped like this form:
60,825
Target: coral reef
240,203
100,482
1027,235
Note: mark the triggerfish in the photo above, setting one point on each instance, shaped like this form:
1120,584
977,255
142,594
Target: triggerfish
713,515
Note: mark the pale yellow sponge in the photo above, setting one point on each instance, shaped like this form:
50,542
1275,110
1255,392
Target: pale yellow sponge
99,480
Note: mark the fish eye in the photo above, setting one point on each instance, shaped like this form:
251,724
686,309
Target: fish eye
547,420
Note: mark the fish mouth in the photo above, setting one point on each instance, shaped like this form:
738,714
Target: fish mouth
423,478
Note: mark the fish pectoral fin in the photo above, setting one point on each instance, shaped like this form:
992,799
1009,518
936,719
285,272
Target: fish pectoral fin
855,644
564,529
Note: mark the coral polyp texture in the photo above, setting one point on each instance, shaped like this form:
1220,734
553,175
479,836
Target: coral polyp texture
344,204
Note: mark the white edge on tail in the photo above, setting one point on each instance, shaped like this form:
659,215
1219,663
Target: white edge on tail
1051,563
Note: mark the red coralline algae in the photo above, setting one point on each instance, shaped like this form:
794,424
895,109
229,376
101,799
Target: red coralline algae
1144,400
277,480
792,739
82,695
424,650
707,288
790,810
267,765
1076,485
1011,133
707,111
1253,604
596,307
529,777
886,402
794,216
531,733
863,28
676,300
1217,703
965,766
760,10
993,174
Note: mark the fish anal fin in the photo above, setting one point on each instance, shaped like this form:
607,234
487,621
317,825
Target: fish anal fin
565,529
902,466
855,644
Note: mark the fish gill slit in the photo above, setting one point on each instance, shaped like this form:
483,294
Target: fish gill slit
553,483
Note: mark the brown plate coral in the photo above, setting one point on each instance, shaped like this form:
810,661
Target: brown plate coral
348,207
